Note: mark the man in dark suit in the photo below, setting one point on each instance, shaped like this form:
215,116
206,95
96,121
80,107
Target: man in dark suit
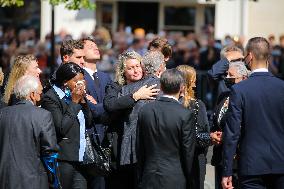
255,122
26,134
96,82
165,140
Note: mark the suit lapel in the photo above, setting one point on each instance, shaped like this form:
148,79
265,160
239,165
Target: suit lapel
91,88
102,84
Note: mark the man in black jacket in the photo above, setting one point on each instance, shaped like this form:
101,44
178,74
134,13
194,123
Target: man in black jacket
26,134
165,138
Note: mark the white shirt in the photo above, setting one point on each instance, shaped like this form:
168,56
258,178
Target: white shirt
90,72
260,70
172,97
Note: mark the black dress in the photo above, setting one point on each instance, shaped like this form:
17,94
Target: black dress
203,141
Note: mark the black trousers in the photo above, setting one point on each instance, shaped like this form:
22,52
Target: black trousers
74,176
124,177
271,181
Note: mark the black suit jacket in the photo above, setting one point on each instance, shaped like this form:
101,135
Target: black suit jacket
26,133
256,120
165,144
66,123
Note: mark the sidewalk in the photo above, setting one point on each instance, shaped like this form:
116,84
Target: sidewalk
210,176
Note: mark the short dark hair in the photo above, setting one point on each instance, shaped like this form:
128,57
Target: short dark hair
68,46
89,38
171,81
66,72
161,44
259,47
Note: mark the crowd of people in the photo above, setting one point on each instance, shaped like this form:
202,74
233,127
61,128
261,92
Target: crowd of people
144,108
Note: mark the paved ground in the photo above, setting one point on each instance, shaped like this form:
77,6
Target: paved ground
209,178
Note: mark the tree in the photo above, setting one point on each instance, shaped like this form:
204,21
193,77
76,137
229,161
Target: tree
70,4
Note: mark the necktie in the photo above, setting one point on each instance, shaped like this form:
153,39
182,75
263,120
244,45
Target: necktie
96,79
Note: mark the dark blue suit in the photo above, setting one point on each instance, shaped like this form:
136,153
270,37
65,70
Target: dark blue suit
256,121
98,93
218,73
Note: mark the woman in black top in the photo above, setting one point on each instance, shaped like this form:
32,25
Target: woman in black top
71,115
203,136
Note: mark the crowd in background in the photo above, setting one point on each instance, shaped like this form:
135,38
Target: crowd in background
198,50
82,90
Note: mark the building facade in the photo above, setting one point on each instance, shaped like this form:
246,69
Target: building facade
234,17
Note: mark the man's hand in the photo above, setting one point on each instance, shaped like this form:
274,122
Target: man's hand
227,182
216,137
233,55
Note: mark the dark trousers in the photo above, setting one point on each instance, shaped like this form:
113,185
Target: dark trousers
271,181
74,176
124,177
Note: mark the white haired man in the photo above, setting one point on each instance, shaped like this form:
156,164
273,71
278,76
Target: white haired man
26,134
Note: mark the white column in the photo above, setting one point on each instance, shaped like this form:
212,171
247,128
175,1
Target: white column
227,18
74,22
199,18
161,17
45,19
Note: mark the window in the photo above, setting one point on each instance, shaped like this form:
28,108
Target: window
179,17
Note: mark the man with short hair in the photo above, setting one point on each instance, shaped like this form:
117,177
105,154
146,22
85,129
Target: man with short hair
255,121
26,134
72,51
165,138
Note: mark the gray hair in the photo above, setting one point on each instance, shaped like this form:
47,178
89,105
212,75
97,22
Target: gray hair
241,68
152,61
120,66
229,48
25,85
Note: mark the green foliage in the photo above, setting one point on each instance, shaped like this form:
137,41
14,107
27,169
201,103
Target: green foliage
8,3
70,4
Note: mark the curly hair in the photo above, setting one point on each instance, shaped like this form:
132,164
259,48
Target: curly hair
120,66
18,70
189,74
68,46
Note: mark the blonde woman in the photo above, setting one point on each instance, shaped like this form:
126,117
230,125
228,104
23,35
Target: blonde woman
2,104
23,65
203,135
128,70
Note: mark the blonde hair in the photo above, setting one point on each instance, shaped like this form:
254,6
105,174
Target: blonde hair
189,74
1,77
18,70
120,66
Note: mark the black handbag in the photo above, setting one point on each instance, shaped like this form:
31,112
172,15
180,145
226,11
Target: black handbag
97,159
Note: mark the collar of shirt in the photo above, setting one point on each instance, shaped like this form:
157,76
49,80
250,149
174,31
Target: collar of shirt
90,72
59,92
260,70
172,97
